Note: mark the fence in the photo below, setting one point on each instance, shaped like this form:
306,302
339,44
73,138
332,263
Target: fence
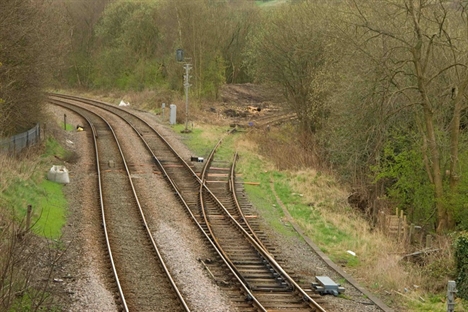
397,226
17,143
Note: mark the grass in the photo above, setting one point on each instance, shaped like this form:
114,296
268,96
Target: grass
202,142
53,208
27,185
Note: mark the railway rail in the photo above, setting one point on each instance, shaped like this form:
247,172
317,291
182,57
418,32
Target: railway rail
185,186
141,277
267,280
245,266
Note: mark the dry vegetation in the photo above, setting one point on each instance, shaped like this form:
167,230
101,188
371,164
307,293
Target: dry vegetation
382,266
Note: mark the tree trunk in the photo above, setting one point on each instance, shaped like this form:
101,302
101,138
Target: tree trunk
458,96
420,70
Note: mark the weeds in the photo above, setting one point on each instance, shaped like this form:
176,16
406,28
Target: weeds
27,260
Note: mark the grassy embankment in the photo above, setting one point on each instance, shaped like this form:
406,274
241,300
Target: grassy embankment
24,182
319,205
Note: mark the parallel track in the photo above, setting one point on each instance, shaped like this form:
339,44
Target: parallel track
140,274
255,268
263,282
267,280
181,177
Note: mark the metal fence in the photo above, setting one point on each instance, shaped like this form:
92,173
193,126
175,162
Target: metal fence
16,143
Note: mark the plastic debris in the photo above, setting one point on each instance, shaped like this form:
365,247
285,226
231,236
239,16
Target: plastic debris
352,253
122,103
58,174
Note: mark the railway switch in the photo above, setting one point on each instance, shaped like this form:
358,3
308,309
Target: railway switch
325,285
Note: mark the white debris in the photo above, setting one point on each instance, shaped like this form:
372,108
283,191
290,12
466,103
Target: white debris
122,103
58,174
352,253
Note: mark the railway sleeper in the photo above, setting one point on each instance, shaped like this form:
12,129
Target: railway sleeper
270,288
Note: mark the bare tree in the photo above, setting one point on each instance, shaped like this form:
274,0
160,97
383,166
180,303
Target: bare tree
421,49
81,18
212,34
289,51
30,49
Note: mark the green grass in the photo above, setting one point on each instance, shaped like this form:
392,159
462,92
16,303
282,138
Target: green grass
68,127
320,231
52,148
46,198
432,303
202,142
53,207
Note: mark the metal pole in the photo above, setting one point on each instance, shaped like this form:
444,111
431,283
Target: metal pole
451,290
188,67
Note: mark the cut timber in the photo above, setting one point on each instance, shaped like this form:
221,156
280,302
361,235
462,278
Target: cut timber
420,253
252,183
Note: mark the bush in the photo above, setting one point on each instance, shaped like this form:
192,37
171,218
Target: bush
461,259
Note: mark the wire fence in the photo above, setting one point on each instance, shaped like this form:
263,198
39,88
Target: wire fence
17,143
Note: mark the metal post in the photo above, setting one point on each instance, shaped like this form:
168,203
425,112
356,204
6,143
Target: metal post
451,291
187,67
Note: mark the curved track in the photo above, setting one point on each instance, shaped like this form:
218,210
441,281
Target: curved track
140,274
245,266
267,280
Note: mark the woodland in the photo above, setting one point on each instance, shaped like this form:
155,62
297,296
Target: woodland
379,87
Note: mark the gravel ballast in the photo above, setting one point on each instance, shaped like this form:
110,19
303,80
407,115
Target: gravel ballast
174,232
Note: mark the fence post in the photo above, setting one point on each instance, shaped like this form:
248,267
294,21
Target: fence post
411,233
28,218
451,290
382,221
64,121
399,224
428,241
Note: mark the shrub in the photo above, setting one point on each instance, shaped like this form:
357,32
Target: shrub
461,259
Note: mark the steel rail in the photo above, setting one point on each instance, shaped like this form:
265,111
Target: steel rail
185,164
142,214
101,202
260,248
222,255
232,189
266,255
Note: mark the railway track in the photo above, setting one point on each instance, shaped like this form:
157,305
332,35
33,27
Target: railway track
245,266
252,266
170,165
141,278
267,280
